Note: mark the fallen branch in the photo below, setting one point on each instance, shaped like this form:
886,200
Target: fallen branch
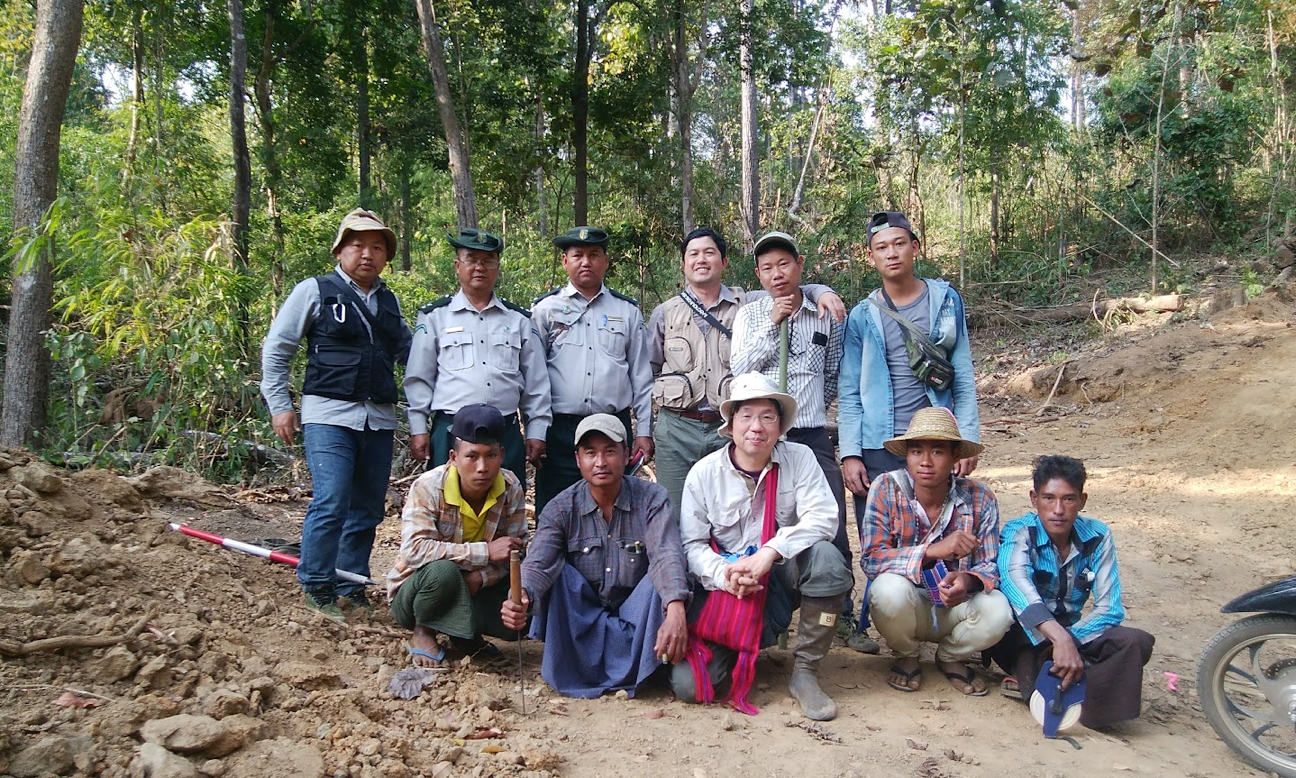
1049,400
1161,304
14,648
31,687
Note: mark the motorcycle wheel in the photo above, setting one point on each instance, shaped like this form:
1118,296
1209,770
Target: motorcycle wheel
1246,680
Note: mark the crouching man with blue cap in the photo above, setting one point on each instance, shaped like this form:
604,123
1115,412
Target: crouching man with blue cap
459,524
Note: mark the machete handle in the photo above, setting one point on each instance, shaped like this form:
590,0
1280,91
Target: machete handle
515,576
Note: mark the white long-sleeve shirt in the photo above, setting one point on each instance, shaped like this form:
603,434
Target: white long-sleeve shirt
719,498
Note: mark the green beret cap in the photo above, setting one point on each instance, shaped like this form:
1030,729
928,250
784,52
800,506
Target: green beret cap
581,236
479,240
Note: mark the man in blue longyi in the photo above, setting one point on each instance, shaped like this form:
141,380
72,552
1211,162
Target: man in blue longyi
606,573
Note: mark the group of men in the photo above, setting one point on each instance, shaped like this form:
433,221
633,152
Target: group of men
746,525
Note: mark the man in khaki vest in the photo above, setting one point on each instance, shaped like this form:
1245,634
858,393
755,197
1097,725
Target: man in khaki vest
689,339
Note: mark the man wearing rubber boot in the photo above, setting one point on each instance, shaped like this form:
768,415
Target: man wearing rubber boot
459,524
737,546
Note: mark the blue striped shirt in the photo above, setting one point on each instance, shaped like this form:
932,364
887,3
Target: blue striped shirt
1041,590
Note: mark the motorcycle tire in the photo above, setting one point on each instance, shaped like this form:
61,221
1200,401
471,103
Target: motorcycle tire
1211,670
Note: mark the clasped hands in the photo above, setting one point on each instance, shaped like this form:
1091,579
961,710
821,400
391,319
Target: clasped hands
743,577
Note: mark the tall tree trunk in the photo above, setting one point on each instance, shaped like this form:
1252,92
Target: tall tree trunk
49,78
1077,74
460,172
362,115
684,114
242,204
406,216
750,202
269,149
137,86
542,221
994,210
580,111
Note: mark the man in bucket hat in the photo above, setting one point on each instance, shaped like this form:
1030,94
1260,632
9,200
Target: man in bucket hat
596,346
355,336
929,545
460,521
724,498
474,347
606,574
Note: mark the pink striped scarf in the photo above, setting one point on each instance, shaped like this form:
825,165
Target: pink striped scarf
734,623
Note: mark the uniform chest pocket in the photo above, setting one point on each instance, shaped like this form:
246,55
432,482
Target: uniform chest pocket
506,351
612,336
338,318
456,351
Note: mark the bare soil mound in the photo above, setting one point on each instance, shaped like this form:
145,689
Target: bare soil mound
129,649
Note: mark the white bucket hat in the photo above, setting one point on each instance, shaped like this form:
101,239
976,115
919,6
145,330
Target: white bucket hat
755,386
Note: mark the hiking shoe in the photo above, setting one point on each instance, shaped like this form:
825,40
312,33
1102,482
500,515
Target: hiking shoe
861,642
326,607
358,602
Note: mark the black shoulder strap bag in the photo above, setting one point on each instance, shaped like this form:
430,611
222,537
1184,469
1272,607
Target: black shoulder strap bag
696,305
927,360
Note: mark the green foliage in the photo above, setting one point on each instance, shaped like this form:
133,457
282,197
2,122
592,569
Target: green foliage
940,103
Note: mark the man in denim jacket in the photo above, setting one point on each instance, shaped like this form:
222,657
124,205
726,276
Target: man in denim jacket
878,393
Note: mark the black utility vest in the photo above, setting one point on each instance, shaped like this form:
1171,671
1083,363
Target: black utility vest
350,355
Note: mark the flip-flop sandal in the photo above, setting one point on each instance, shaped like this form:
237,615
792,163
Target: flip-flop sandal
438,657
1009,688
967,677
908,676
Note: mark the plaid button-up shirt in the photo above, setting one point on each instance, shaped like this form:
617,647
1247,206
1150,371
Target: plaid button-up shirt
613,556
432,529
897,531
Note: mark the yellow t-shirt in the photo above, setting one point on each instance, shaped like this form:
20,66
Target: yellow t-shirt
474,524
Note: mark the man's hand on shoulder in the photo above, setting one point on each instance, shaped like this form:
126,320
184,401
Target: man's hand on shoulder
831,304
286,426
964,467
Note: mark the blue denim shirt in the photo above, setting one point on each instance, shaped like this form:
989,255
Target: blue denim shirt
866,414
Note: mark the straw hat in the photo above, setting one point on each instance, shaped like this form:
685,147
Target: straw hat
934,424
755,386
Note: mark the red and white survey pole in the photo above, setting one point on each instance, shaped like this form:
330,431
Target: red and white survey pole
264,553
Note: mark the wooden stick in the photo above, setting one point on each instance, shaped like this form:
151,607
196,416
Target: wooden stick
1052,392
14,648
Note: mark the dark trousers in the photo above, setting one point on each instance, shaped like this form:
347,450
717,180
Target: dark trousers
514,446
877,461
1113,670
819,442
559,470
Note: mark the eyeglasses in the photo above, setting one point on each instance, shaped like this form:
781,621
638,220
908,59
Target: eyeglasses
489,264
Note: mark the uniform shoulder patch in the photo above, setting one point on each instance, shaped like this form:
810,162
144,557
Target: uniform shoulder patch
625,297
440,302
515,307
549,293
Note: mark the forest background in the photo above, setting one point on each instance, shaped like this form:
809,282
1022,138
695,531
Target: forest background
208,152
